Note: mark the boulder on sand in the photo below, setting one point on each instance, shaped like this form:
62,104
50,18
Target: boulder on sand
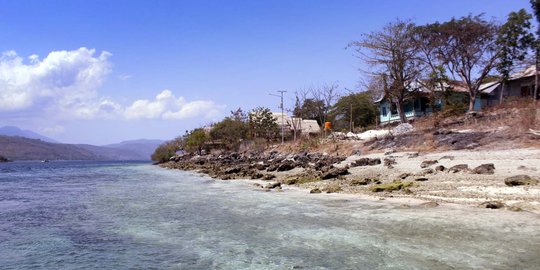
520,180
402,129
459,168
366,162
427,163
334,172
487,168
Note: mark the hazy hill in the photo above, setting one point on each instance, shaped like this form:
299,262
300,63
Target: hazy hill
143,148
19,148
15,131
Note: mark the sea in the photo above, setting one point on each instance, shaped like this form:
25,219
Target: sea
134,215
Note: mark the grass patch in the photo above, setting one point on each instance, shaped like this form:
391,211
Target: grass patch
396,185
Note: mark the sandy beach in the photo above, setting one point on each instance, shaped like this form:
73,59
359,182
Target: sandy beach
462,187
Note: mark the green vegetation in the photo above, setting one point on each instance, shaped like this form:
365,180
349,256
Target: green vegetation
231,131
165,151
354,110
262,124
396,185
195,140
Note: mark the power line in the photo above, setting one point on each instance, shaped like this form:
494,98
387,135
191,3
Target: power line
282,114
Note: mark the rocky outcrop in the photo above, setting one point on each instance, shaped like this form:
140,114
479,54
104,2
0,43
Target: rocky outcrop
520,180
253,164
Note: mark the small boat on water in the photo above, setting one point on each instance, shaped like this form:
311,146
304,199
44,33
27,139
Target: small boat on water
45,160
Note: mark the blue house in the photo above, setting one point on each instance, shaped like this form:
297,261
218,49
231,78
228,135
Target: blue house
418,104
520,85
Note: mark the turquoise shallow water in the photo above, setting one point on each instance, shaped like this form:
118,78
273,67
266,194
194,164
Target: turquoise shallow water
77,215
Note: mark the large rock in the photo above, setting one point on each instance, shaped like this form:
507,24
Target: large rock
286,165
487,168
334,172
273,185
402,129
364,181
366,162
427,163
492,205
459,168
520,180
389,162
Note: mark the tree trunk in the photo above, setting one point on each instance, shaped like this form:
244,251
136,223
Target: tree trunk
401,112
472,100
535,94
502,91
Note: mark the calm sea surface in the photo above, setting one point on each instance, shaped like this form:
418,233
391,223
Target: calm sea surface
81,215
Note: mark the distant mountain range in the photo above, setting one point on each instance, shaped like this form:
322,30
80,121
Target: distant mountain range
17,144
15,131
143,148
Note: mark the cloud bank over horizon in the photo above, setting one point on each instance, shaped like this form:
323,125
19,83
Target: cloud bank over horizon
65,86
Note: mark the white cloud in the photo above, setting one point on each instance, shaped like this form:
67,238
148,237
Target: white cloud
65,85
167,106
63,79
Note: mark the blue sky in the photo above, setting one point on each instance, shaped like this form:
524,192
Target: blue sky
105,71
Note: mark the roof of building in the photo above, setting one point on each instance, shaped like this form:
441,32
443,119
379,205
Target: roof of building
420,86
488,88
526,72
310,126
278,117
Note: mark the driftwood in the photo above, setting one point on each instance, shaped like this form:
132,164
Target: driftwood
534,132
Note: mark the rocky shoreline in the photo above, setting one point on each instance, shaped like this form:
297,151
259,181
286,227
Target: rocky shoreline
490,179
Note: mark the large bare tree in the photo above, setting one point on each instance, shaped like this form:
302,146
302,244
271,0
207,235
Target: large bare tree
392,54
469,51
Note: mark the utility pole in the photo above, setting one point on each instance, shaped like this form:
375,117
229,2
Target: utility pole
282,116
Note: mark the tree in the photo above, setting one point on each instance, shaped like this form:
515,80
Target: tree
514,41
392,52
429,42
324,96
310,109
195,140
262,124
469,50
535,4
355,109
166,150
231,130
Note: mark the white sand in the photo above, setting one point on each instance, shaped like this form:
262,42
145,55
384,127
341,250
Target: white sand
461,187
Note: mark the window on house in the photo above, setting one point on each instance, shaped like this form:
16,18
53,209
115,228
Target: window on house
393,108
408,107
384,112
